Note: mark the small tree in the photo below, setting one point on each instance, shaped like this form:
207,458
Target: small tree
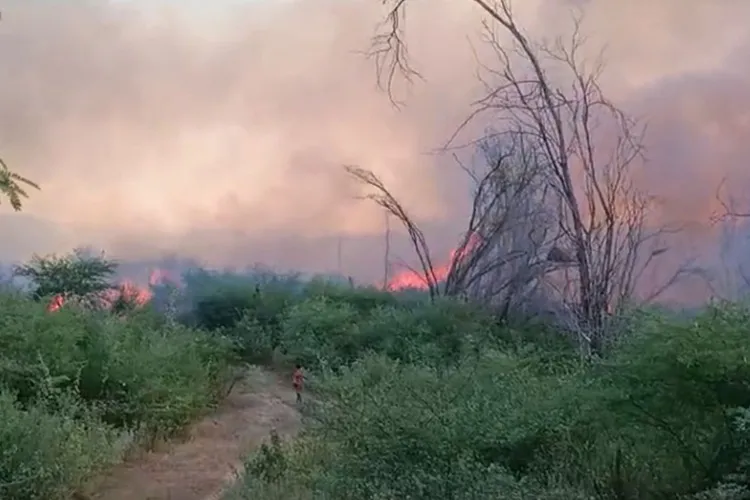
78,274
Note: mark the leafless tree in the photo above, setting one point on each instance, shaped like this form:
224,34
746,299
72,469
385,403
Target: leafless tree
586,144
729,206
508,244
729,278
383,197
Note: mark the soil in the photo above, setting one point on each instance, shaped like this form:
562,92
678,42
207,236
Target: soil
204,465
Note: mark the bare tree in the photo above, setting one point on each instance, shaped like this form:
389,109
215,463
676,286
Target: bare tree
729,206
383,197
510,235
729,278
506,247
586,144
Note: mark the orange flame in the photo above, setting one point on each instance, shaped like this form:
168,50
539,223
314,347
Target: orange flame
56,303
409,278
126,289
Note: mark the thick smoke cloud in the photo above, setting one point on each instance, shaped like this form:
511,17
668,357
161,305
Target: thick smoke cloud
218,133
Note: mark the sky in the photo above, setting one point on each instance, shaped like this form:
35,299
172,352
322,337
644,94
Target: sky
167,127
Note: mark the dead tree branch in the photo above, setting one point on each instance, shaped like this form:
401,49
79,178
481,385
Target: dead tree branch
390,52
729,206
587,147
509,240
510,232
383,197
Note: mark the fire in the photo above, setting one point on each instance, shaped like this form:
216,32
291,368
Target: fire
56,303
409,278
127,290
132,293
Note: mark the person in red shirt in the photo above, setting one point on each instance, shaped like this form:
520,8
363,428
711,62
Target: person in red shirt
298,381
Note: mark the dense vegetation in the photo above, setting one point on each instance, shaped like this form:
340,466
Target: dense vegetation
419,400
80,387
411,399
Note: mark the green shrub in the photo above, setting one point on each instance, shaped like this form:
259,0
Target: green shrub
363,299
160,380
141,372
668,394
45,456
409,431
222,307
456,407
319,331
74,385
439,333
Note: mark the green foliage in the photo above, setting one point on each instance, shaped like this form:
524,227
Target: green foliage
270,464
78,274
46,455
320,331
439,333
436,401
74,385
254,341
410,399
363,300
331,325
13,186
224,307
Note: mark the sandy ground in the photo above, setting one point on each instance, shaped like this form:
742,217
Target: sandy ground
207,462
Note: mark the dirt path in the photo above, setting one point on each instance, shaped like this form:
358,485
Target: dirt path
201,467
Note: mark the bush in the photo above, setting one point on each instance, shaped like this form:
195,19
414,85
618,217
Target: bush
75,384
140,373
219,300
363,300
430,433
672,388
47,455
319,331
449,405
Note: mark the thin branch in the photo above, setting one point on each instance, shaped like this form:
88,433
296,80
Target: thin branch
385,199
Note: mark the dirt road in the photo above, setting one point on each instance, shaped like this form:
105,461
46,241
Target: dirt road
201,467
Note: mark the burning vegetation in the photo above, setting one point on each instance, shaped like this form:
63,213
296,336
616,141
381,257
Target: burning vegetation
88,280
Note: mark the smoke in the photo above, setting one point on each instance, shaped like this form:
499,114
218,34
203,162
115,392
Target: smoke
218,132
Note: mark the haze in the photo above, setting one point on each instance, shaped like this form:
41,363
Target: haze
218,134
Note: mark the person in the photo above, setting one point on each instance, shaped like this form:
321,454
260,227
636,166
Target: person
297,381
